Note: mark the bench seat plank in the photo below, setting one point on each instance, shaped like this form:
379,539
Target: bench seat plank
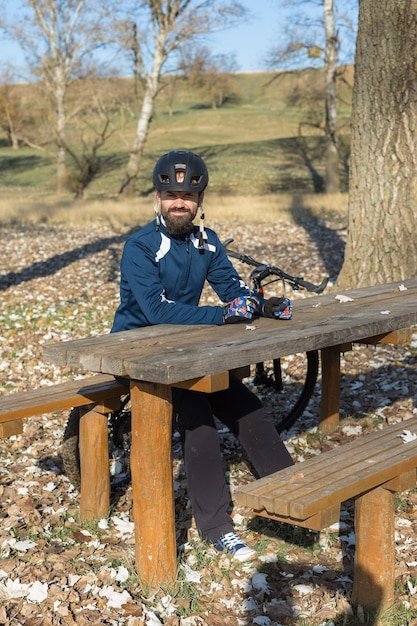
318,466
59,397
307,488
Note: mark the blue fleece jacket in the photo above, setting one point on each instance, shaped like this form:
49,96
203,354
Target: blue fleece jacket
162,277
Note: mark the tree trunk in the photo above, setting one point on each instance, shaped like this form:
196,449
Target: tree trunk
332,155
12,137
14,141
61,170
132,169
382,241
152,86
61,122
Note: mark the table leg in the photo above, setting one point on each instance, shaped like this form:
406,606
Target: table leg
330,389
152,483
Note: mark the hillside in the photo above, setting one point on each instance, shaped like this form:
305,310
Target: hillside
264,139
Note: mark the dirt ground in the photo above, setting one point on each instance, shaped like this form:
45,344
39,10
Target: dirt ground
59,283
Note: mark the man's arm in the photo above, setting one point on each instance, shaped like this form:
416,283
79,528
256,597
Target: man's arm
144,297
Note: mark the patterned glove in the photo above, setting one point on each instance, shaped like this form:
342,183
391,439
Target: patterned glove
240,310
277,308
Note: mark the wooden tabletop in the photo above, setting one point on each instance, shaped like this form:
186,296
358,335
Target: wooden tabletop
168,354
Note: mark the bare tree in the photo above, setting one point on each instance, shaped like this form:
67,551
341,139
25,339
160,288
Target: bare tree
330,64
58,38
22,115
209,73
12,112
170,23
90,128
382,238
318,43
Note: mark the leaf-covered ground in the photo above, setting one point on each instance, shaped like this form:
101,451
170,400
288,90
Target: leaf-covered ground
61,282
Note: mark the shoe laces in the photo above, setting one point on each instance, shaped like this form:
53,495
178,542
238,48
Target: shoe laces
231,540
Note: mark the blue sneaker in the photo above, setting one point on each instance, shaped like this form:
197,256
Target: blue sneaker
233,545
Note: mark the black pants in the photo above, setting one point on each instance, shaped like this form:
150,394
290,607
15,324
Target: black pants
242,412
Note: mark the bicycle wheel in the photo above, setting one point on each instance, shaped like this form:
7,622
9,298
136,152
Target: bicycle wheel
119,427
293,379
70,452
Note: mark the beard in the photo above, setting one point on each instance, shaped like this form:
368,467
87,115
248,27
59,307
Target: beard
179,224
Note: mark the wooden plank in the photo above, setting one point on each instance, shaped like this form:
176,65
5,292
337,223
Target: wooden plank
397,337
380,298
381,291
108,405
230,349
8,429
67,352
110,355
59,397
352,474
319,467
405,481
381,294
319,521
368,478
305,489
206,384
241,372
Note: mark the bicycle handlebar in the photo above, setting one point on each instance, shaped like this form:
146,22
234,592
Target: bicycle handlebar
264,270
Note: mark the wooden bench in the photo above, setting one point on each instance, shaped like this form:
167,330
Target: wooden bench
98,395
369,469
17,406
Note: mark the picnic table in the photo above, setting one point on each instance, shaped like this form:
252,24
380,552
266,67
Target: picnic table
157,358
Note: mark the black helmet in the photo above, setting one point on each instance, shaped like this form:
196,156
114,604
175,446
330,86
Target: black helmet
193,170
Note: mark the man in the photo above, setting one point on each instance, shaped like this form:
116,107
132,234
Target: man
163,270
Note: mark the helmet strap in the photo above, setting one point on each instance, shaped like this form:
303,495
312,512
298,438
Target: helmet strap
202,233
156,208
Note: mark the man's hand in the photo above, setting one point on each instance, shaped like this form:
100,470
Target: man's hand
240,310
277,308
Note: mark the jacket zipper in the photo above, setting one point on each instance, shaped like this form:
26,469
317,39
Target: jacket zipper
187,269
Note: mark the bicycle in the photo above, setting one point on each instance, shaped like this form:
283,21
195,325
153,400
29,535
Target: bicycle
119,422
275,379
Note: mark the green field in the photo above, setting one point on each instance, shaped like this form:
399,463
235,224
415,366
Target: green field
257,143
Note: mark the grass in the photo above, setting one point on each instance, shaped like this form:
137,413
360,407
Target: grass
49,210
257,143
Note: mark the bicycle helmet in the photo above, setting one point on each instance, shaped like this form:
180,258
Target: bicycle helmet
180,170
